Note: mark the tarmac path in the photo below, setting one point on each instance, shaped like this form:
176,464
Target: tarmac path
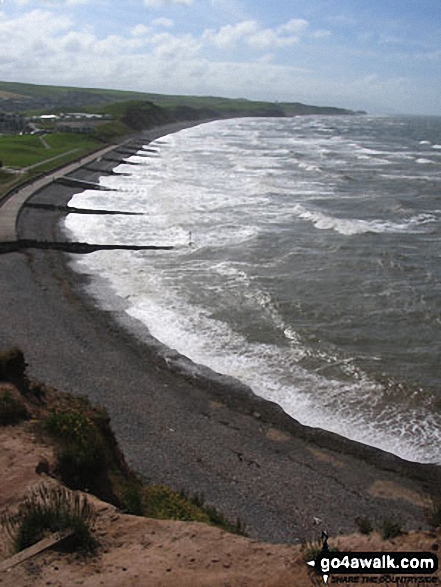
10,206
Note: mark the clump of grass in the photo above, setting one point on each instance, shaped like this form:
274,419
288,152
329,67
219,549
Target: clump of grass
365,526
389,529
12,409
313,550
52,509
433,513
216,518
165,504
132,498
80,449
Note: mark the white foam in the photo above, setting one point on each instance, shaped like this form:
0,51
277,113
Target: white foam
309,167
354,409
423,161
351,226
373,160
231,202
402,176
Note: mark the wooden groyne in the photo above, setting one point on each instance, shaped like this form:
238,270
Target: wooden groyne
120,160
75,182
71,247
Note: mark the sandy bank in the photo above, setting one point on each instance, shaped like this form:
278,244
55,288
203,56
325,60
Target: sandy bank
140,551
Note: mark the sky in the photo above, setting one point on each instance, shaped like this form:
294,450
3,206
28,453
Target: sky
383,56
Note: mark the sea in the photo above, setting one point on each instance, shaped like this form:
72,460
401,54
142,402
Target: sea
306,263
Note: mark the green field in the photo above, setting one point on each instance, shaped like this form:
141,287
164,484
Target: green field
21,151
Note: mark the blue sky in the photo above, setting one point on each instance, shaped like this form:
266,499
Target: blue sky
383,56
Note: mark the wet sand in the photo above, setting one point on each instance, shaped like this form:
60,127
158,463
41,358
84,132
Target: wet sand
285,481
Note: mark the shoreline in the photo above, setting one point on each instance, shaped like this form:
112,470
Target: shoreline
242,452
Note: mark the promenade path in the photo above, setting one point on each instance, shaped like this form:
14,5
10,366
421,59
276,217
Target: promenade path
11,206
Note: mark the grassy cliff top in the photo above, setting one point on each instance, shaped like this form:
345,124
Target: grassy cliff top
32,96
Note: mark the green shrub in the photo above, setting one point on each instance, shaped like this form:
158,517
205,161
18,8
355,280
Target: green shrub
364,525
164,503
132,498
48,510
12,409
389,529
80,449
111,131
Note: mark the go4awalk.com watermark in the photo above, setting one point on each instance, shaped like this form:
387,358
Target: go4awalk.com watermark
391,568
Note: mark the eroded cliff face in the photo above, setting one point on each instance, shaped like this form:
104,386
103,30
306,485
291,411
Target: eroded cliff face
141,551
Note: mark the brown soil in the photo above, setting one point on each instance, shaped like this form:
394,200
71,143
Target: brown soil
140,551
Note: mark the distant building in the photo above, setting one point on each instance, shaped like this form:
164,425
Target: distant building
79,122
77,126
48,117
83,116
11,122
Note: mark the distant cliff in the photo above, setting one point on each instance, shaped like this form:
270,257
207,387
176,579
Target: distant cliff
298,109
20,97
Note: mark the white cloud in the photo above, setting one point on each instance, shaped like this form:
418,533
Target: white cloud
170,47
140,30
17,34
52,3
295,26
42,46
163,22
253,35
228,36
250,33
270,38
165,3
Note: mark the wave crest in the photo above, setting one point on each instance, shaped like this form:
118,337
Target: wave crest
351,226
